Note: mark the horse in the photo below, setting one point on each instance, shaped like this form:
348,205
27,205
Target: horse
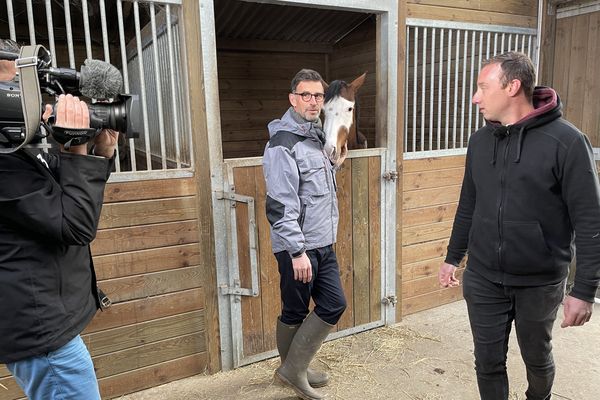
341,127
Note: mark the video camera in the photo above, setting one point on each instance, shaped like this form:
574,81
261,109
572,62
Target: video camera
97,80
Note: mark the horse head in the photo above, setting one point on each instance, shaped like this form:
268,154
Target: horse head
340,99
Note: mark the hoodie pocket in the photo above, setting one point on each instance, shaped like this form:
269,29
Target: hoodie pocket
483,241
525,251
313,176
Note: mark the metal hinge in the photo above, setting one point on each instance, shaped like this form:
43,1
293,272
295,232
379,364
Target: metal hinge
390,175
390,300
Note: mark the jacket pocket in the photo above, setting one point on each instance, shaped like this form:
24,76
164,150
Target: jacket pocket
313,176
483,241
525,251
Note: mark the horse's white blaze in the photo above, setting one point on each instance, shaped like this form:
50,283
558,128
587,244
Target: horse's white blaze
338,114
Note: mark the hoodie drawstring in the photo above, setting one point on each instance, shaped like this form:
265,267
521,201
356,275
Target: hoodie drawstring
493,162
520,144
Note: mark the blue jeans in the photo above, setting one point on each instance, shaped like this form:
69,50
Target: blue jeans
66,373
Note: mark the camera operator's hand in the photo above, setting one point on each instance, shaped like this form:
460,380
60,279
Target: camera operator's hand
105,143
72,113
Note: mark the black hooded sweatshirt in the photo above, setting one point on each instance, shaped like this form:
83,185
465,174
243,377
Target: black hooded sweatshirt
529,197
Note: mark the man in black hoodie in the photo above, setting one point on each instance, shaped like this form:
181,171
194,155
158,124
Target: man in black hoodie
529,196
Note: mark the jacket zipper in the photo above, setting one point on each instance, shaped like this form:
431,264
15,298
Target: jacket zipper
501,206
302,215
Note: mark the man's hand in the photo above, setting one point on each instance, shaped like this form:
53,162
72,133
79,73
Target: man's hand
71,113
446,276
577,312
105,143
302,268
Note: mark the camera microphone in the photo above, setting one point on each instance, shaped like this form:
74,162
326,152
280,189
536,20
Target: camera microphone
99,80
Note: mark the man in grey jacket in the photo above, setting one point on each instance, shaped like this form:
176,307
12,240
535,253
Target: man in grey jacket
302,210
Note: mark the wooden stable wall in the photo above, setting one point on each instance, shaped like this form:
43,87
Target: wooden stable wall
431,186
146,256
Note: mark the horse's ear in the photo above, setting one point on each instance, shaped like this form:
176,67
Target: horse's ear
325,85
358,82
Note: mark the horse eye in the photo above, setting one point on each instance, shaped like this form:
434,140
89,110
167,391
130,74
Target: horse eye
349,109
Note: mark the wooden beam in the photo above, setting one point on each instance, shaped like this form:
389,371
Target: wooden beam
275,46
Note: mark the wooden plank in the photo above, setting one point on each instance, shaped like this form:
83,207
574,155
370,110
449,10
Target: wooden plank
424,286
244,182
577,69
562,60
4,371
428,215
431,197
118,215
272,46
375,238
147,190
591,107
121,338
424,251
143,378
146,261
269,271
151,284
475,16
433,164
10,389
360,238
137,311
430,300
548,44
426,233
422,269
433,179
517,7
149,354
343,247
120,240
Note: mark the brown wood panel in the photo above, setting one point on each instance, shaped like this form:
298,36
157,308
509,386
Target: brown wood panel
252,323
422,269
464,15
130,336
433,179
433,164
424,251
428,215
573,109
375,237
431,197
151,376
4,371
146,190
564,30
426,233
517,7
424,286
591,107
137,311
146,355
412,305
343,247
118,215
9,389
360,239
151,284
269,271
120,240
146,261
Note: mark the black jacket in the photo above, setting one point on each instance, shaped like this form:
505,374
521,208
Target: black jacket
48,216
528,189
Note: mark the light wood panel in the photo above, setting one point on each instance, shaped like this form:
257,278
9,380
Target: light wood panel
517,7
470,15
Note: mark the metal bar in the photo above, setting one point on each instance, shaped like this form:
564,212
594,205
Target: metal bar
431,88
31,23
441,72
414,143
456,67
86,28
413,22
523,44
509,48
69,30
125,73
161,125
423,86
448,88
11,19
140,57
125,176
173,86
435,153
464,89
495,44
529,48
471,85
50,25
406,73
488,41
502,43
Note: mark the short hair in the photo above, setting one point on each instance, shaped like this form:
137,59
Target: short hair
9,46
515,65
306,75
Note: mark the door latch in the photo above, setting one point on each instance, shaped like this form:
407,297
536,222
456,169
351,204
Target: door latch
390,300
390,175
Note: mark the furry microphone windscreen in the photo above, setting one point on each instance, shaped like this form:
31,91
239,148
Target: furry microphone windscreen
99,80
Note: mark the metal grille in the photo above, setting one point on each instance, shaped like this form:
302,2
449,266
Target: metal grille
442,63
117,31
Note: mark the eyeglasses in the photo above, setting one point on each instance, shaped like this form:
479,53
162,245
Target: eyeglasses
306,96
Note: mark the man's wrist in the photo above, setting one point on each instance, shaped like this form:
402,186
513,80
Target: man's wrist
299,253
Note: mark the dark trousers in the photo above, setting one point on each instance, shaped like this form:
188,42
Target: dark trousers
325,288
492,309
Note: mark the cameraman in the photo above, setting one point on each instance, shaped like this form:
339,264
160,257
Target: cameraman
49,210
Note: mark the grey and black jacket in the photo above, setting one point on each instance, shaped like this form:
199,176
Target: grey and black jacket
301,200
